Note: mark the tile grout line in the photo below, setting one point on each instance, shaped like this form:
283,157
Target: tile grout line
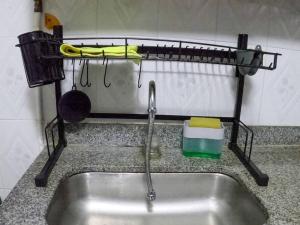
97,16
20,120
262,94
217,20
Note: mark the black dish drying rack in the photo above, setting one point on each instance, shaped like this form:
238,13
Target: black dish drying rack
171,50
44,64
41,54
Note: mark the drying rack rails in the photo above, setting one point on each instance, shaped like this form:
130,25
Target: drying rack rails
170,50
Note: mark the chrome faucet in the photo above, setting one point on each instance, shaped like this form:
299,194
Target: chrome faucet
151,195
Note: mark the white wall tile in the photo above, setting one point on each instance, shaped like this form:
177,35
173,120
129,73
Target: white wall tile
16,17
121,96
252,99
285,24
11,60
18,101
281,95
187,19
192,89
20,125
127,17
247,16
21,142
77,16
4,193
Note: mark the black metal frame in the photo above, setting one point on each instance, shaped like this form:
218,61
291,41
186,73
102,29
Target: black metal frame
42,178
212,56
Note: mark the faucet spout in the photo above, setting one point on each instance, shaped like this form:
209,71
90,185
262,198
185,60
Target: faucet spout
151,195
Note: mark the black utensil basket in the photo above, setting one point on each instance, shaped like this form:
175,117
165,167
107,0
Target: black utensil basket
39,71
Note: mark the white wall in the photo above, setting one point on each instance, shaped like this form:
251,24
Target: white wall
20,129
271,97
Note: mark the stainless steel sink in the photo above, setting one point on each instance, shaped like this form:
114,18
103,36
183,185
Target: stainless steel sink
182,198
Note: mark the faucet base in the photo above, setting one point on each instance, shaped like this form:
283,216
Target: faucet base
151,196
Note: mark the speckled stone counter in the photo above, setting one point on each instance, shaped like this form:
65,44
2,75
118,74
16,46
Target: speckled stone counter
27,204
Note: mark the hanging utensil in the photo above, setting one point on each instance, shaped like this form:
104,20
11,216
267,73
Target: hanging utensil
75,105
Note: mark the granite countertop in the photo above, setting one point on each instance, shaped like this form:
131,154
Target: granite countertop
27,204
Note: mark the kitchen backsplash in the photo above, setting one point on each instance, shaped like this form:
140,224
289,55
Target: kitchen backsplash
271,97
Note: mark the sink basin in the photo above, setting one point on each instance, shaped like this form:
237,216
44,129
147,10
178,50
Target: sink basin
182,198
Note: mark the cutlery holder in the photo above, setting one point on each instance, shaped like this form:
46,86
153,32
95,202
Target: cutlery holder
38,70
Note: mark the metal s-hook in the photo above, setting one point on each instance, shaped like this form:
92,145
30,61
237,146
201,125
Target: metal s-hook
140,71
73,75
87,83
83,65
107,85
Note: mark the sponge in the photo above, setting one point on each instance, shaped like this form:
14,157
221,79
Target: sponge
204,122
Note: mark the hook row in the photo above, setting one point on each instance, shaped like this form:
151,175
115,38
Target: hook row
212,54
108,84
85,67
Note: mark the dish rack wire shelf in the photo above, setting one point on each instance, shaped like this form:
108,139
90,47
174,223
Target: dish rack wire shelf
47,58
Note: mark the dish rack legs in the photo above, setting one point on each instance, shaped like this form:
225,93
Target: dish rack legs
260,178
58,124
245,158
